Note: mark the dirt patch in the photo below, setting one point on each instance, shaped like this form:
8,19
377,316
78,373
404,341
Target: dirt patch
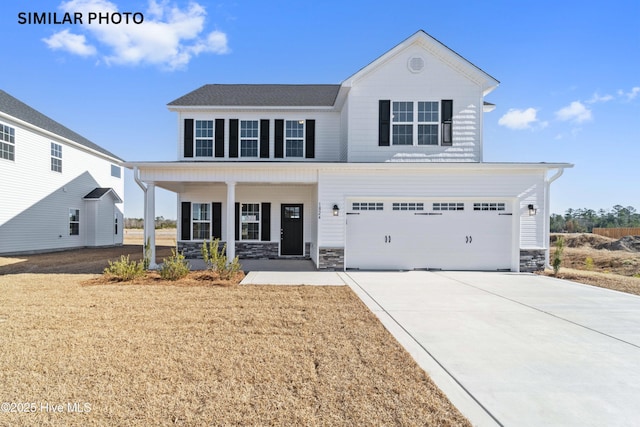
626,243
199,355
152,278
613,281
75,261
579,240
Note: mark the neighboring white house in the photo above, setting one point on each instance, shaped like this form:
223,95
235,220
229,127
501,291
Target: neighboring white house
383,171
59,190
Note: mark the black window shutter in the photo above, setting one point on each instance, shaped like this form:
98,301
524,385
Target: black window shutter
264,139
237,222
384,122
188,137
447,122
279,139
219,137
310,139
233,138
185,221
216,220
265,233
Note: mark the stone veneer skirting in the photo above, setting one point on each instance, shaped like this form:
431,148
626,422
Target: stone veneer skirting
532,260
244,250
331,259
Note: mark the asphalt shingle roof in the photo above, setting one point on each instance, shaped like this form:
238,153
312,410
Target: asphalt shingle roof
98,192
18,109
260,95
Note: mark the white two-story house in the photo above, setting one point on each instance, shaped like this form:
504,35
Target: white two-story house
382,171
59,190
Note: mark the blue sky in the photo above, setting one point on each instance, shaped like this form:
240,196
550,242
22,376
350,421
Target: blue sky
569,73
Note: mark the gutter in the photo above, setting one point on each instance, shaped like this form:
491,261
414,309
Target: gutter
547,208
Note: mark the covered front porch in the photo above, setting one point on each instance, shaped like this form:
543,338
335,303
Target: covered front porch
261,212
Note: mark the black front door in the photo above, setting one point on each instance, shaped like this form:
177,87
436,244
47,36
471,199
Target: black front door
291,227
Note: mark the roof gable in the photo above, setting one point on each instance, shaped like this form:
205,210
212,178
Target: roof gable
18,109
260,95
99,192
436,49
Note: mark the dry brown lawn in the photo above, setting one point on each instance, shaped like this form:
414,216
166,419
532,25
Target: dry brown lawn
145,355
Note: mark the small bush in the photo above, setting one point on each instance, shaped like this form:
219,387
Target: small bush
124,269
175,267
217,260
588,263
147,254
557,256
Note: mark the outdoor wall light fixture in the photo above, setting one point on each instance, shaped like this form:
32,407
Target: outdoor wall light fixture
336,210
532,210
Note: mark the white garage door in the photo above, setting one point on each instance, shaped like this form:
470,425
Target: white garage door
459,235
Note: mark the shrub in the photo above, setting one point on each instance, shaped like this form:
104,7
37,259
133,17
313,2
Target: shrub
217,261
557,255
147,254
124,269
175,267
588,263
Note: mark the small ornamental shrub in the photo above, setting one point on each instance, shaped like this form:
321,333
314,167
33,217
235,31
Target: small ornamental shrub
557,256
175,267
588,263
124,269
217,260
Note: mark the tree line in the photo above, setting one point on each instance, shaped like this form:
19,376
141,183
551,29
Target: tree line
161,222
585,220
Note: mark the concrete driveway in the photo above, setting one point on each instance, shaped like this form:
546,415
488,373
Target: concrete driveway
516,349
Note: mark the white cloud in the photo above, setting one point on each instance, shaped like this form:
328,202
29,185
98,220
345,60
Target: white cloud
633,93
599,98
576,112
72,43
169,37
520,119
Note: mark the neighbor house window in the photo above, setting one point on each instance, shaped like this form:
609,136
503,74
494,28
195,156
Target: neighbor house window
115,223
204,138
415,123
250,221
116,172
294,138
74,222
7,142
201,216
248,138
56,157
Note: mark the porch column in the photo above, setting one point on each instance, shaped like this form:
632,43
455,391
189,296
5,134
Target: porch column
150,223
231,220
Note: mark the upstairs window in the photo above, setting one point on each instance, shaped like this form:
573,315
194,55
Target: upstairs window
294,138
402,119
56,157
7,142
428,116
248,138
116,172
204,138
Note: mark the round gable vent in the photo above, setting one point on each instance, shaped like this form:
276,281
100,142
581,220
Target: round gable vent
416,64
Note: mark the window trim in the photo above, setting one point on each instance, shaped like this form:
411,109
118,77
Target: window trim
200,139
7,142
76,221
246,139
56,157
258,221
195,221
286,140
415,123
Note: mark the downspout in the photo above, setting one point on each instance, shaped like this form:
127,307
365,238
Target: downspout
547,208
